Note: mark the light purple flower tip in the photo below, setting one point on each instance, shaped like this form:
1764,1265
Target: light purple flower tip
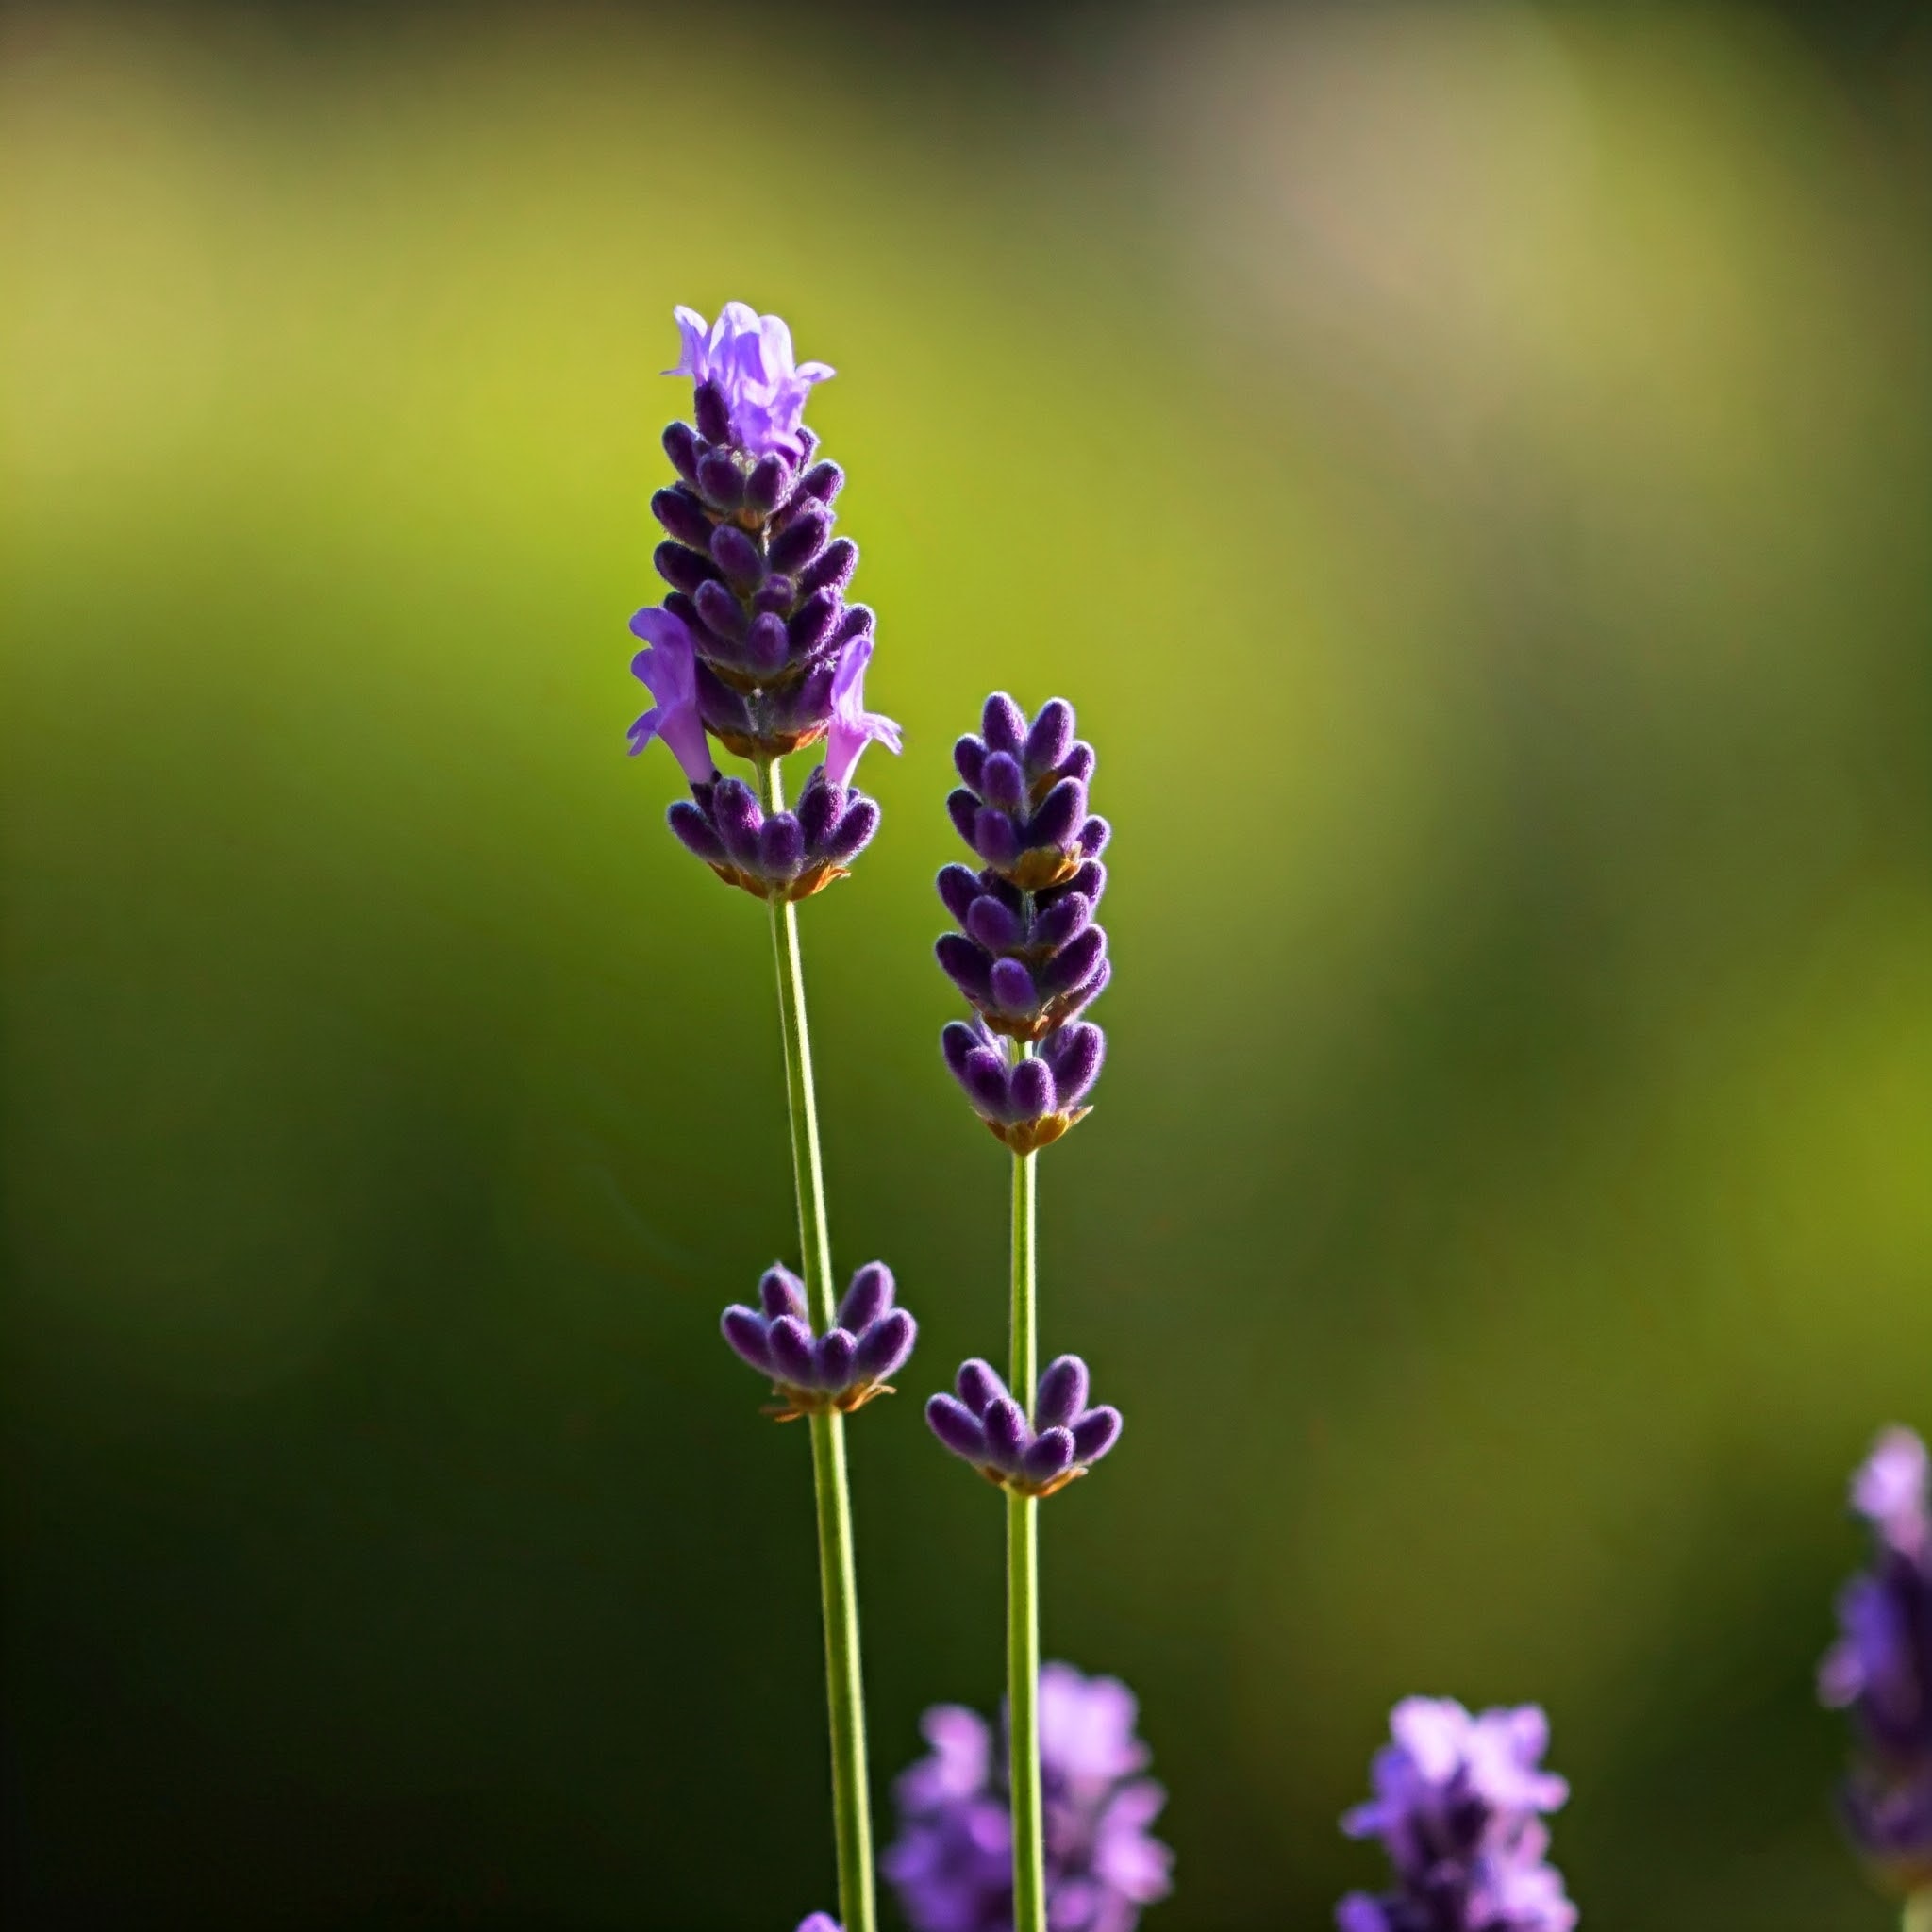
852,726
819,1922
748,356
668,672
1892,1490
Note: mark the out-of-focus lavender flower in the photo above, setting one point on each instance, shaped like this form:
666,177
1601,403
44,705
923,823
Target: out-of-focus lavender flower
747,359
1022,805
951,1862
1455,1808
844,1368
1880,1670
668,670
791,855
757,576
984,1427
819,1922
1027,1104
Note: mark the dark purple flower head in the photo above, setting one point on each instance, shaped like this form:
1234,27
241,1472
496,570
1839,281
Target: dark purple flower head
1023,805
952,1861
1880,1670
984,1427
1027,1104
758,579
844,1368
791,855
1029,961
1455,1808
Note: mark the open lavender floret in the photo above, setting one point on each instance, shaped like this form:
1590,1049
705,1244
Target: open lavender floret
844,1368
984,1427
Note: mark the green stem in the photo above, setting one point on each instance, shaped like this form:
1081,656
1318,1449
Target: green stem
1919,1911
838,1582
1023,1584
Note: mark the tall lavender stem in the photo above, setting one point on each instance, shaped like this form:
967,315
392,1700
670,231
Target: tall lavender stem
1023,1579
838,1582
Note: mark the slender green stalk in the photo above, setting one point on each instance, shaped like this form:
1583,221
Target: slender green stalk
1919,1911
838,1582
1023,1585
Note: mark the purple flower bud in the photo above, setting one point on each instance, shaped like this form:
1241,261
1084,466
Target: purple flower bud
979,1385
1003,723
776,594
962,807
746,1331
801,540
766,644
1002,783
969,757
1066,918
719,478
959,1042
683,570
820,805
1030,1090
683,517
1095,1432
781,847
735,815
956,1428
781,1292
736,555
831,570
993,837
993,925
1093,837
1078,764
1049,1455
984,1077
714,420
966,966
723,615
1060,812
823,480
811,623
767,485
1073,965
1075,1054
958,888
792,1359
694,832
855,831
833,1356
868,1298
1007,1434
859,621
1010,986
885,1345
1050,738
681,447
1062,1393
1090,881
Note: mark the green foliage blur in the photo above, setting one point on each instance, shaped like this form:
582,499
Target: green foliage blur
1469,467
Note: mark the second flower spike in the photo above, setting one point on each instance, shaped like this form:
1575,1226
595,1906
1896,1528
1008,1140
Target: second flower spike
984,1427
844,1368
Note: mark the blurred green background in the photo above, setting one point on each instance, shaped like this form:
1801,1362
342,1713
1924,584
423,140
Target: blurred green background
1469,466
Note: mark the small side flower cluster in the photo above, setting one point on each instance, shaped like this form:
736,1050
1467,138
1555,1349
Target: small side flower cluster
951,1864
844,1368
984,1427
754,644
1029,956
1457,1807
1880,1670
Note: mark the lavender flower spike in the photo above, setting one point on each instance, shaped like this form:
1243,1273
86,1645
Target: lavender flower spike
1027,1104
982,1424
1880,1670
748,357
844,1368
668,671
1023,803
791,855
951,1864
1455,1807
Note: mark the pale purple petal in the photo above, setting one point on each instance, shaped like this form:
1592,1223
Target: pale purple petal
852,726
